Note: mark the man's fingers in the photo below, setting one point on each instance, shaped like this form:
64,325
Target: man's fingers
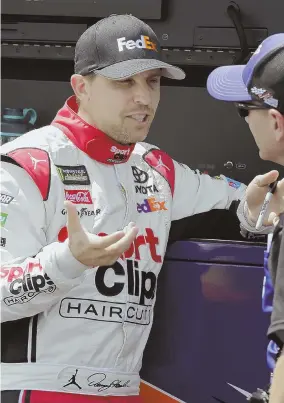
280,186
124,243
109,240
73,221
273,219
129,226
276,221
266,179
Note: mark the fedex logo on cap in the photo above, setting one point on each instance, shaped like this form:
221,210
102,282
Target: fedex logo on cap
143,43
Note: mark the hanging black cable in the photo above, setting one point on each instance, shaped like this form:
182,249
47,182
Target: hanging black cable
234,14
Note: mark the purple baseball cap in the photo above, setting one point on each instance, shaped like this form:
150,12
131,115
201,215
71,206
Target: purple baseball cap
243,83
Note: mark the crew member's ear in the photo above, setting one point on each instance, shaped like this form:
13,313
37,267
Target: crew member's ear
80,86
277,121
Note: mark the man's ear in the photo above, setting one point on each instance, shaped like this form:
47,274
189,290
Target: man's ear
79,85
277,120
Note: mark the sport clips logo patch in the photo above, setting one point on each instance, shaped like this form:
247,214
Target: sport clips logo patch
25,283
125,280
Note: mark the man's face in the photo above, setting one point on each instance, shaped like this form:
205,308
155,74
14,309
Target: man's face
267,129
123,109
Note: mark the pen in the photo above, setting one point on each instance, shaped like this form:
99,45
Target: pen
268,197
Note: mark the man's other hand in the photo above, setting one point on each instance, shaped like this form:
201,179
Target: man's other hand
255,195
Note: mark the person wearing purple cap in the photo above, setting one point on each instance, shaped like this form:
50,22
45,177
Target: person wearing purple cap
257,89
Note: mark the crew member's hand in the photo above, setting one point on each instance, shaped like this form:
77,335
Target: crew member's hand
256,192
93,250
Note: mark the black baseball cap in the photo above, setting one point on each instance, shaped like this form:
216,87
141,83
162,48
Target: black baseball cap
120,46
261,80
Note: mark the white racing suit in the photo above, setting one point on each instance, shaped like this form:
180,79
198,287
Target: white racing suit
74,328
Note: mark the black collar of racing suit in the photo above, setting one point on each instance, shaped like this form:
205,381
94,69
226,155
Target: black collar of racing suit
92,141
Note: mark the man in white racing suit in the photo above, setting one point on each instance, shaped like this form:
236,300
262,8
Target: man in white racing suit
86,209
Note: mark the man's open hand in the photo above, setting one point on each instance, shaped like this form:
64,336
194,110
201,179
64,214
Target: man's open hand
93,250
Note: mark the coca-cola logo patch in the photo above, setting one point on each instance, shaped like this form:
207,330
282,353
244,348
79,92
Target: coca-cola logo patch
78,196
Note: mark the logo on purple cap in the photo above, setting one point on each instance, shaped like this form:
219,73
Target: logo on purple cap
258,50
265,96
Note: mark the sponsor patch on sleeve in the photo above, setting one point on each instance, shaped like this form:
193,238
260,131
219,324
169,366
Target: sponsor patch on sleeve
3,219
234,184
6,199
3,242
